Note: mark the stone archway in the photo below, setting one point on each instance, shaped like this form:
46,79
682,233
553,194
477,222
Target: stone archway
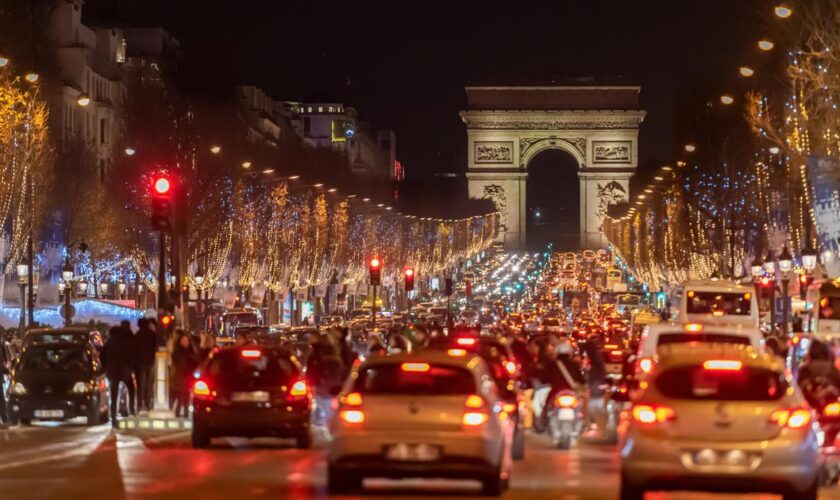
508,126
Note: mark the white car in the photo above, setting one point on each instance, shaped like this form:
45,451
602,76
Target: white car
720,417
434,414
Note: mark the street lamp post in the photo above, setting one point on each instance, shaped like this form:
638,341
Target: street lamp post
756,267
121,289
67,276
199,280
785,265
22,272
770,268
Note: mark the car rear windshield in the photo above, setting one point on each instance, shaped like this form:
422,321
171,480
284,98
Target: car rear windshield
698,383
235,368
392,379
683,338
718,303
57,338
55,359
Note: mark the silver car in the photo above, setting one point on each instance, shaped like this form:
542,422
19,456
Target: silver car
433,414
715,417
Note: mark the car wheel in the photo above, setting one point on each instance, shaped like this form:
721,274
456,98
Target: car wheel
339,481
200,438
809,494
630,491
303,441
518,446
492,485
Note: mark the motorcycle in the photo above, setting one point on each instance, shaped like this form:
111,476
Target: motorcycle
565,419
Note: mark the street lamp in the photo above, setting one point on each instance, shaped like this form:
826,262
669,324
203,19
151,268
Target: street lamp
785,260
770,268
757,266
83,286
103,289
23,274
67,275
770,263
3,61
32,77
809,258
83,100
121,288
782,11
785,264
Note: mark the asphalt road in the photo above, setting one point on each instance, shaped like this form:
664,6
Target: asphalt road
71,462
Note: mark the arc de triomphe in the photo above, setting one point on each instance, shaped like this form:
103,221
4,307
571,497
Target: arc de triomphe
507,126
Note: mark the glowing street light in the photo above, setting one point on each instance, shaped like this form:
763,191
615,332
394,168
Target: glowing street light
83,100
268,171
727,99
765,44
4,61
782,11
32,77
773,150
746,71
129,151
215,149
690,148
246,164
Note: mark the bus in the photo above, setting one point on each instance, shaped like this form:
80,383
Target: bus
822,306
613,278
720,302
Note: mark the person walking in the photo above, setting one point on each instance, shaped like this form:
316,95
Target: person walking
5,369
118,360
145,347
184,364
324,372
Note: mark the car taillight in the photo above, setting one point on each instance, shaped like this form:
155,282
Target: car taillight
465,341
653,414
566,401
510,366
728,365
509,408
832,410
201,390
251,353
475,413
795,418
351,408
646,365
299,389
415,367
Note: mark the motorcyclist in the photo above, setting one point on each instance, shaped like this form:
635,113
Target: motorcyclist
546,371
819,379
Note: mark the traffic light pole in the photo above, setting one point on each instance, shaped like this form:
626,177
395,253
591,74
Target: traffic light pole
373,307
162,304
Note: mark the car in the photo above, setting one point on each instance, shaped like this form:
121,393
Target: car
332,320
70,334
420,415
251,391
719,416
58,381
552,325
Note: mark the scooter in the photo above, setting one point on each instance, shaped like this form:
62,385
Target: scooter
565,418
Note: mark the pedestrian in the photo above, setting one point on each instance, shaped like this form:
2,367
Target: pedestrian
208,344
145,347
183,365
341,336
118,361
324,372
5,369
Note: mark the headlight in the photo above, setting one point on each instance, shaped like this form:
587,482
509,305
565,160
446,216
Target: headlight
18,389
81,387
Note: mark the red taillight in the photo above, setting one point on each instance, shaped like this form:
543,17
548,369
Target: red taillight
832,410
466,341
727,365
351,409
474,419
415,367
474,401
653,414
566,401
251,353
474,413
352,416
201,390
299,389
795,418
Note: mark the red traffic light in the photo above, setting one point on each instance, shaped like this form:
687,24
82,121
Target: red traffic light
375,263
765,281
409,272
165,320
162,185
803,278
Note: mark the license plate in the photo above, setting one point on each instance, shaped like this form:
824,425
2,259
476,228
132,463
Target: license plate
567,414
49,413
249,397
412,452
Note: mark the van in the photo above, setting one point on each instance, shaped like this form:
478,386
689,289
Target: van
719,302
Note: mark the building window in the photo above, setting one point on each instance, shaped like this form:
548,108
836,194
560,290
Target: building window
320,109
331,109
309,109
307,125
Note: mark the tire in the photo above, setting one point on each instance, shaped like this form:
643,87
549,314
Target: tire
303,441
809,494
200,438
630,491
492,485
518,447
338,481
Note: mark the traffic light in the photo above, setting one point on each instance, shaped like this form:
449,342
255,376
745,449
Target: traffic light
805,281
448,287
765,281
409,279
162,204
375,269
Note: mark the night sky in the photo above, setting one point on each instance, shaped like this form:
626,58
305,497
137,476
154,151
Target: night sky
403,64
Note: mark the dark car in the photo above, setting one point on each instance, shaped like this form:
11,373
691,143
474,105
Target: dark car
68,335
58,381
251,391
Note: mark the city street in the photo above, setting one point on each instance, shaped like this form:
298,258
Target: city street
75,462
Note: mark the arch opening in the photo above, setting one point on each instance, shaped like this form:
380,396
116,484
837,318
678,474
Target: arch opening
553,201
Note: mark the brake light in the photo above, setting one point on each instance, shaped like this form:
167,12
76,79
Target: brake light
566,401
473,419
201,390
510,366
466,341
617,353
415,367
251,353
353,399
728,365
299,389
832,410
610,346
653,414
646,365
352,416
693,327
796,418
474,401
456,352
509,408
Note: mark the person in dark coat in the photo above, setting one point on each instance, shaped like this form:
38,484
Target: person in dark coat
184,363
325,373
118,360
145,347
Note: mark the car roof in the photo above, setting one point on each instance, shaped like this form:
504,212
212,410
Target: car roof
717,286
470,361
59,345
680,354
